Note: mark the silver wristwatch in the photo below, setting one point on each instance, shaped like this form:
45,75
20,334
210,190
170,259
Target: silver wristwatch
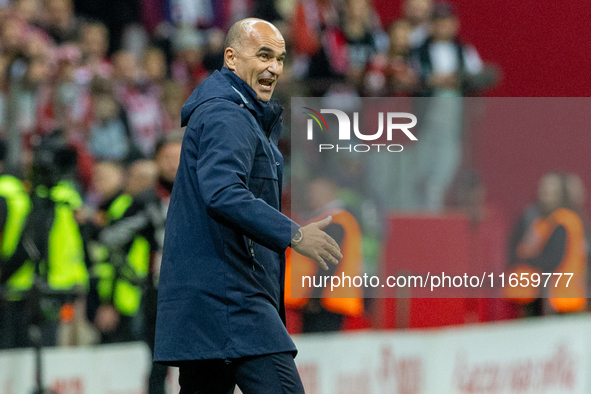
297,238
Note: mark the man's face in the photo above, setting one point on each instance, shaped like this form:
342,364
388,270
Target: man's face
59,11
125,66
418,11
259,59
445,29
107,179
95,41
550,192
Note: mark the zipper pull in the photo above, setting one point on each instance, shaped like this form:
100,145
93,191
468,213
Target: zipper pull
251,247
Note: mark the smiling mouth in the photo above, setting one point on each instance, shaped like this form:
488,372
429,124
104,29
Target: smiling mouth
266,83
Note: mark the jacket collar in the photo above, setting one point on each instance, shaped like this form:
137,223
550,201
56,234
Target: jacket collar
266,113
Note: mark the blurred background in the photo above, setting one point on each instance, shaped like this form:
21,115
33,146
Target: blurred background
90,101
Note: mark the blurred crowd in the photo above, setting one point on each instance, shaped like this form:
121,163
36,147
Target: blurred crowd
110,99
112,76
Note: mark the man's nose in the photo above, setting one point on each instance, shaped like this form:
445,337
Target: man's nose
275,67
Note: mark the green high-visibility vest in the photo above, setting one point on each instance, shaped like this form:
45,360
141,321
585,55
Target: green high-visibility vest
65,268
118,283
18,206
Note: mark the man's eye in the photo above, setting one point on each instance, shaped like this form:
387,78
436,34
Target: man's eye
264,56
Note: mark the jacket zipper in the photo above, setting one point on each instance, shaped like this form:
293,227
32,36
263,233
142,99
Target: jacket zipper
251,248
273,126
250,242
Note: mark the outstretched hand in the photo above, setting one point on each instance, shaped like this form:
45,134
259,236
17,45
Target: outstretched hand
318,245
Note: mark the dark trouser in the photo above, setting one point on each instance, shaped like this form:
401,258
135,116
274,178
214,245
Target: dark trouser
158,372
266,374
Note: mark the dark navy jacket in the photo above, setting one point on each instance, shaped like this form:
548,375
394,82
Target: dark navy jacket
223,264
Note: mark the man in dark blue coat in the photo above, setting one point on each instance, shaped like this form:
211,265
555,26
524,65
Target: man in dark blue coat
220,305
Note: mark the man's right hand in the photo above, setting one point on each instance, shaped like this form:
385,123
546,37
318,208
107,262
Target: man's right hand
318,245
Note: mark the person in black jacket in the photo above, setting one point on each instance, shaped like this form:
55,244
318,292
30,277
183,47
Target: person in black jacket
447,69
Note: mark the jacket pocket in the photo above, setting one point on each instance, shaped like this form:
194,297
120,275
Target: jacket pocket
263,172
263,168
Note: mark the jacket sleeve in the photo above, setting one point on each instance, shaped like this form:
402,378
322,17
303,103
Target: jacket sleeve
224,155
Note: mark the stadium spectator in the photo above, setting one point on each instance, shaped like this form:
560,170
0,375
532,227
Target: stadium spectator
418,14
141,176
390,74
359,27
121,260
173,99
13,38
126,69
445,63
445,66
187,67
319,45
94,43
213,59
140,100
107,183
63,105
154,66
108,139
35,81
59,21
199,12
27,10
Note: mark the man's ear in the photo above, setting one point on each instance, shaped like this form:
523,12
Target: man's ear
230,58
